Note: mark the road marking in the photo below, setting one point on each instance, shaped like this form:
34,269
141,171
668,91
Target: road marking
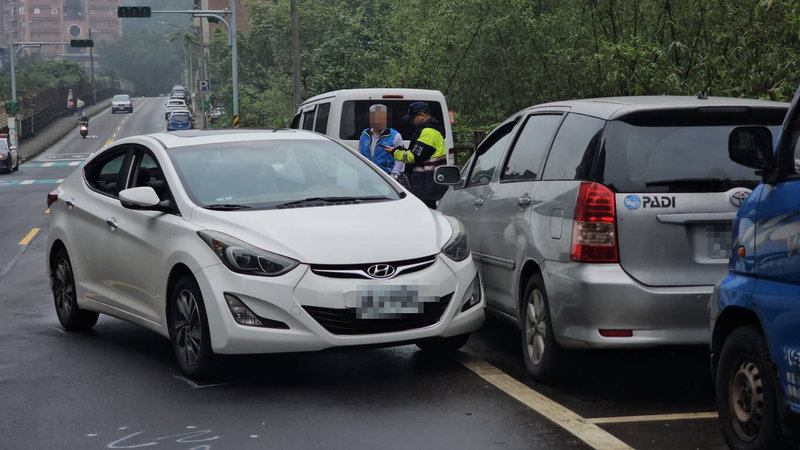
194,385
53,164
108,142
579,427
75,163
18,182
48,164
655,418
27,239
113,135
27,182
47,211
118,128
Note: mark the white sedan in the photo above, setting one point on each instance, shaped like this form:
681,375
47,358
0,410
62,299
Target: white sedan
256,242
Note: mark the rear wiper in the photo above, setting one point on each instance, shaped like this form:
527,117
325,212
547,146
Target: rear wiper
226,207
330,200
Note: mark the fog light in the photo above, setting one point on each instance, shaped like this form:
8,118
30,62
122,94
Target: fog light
473,295
241,313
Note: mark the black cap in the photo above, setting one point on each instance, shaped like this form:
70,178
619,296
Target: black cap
415,108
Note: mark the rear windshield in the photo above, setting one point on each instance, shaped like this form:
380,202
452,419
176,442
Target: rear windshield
675,157
355,116
121,98
179,117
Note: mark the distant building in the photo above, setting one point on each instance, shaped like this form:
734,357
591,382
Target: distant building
59,21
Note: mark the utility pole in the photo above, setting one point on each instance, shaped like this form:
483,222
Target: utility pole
295,52
91,63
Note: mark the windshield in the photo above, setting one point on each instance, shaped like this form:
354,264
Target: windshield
179,117
681,158
271,174
121,98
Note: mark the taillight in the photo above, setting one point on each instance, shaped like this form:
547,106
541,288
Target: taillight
52,197
594,232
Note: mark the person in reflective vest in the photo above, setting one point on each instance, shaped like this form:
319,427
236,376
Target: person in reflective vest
375,139
425,153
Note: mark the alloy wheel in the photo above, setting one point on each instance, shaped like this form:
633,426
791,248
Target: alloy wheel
535,327
64,288
187,327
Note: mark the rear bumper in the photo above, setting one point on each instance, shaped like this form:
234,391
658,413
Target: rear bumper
587,298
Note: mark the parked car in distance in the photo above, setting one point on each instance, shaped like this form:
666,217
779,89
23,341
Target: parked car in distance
605,223
215,114
344,114
253,242
755,309
121,102
172,105
179,120
9,156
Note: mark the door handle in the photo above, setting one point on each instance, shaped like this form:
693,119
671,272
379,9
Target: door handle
524,202
70,203
112,223
479,202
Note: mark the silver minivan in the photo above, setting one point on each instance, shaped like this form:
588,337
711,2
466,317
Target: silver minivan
605,223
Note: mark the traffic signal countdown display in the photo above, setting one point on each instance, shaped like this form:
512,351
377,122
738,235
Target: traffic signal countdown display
81,43
133,11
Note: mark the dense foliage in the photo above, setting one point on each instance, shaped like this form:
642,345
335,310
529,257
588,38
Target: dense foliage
491,58
35,73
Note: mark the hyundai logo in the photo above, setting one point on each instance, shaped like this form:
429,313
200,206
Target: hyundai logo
381,271
739,196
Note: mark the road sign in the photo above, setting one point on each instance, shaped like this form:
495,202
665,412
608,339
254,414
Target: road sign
81,43
202,85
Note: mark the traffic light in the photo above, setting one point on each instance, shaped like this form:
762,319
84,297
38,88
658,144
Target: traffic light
81,43
11,107
133,11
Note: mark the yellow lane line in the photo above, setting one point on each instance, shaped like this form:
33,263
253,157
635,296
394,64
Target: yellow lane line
118,128
588,432
27,239
113,135
108,142
47,211
655,418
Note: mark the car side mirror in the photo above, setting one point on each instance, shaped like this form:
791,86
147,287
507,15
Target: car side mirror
143,197
447,175
751,147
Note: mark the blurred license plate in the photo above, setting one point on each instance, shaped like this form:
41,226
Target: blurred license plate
388,302
720,241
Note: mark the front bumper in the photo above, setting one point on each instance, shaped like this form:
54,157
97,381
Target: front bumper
122,108
286,298
587,298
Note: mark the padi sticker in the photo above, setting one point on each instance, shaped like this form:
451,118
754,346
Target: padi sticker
633,202
649,201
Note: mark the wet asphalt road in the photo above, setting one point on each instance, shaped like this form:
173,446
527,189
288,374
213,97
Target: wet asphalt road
118,386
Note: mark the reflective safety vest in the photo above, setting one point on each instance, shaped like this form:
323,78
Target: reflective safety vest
426,152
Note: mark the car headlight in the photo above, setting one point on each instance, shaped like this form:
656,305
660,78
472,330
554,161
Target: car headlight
473,295
241,257
457,248
3,155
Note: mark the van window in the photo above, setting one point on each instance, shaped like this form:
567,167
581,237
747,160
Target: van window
489,153
528,153
575,148
355,116
308,120
321,124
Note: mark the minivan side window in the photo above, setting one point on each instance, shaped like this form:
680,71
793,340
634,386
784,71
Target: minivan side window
575,148
321,124
488,155
530,149
355,116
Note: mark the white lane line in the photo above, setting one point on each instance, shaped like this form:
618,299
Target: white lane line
48,164
27,182
654,418
579,427
75,163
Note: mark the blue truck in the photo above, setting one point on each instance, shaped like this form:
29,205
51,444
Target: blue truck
755,310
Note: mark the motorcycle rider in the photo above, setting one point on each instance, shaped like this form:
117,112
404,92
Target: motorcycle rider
83,121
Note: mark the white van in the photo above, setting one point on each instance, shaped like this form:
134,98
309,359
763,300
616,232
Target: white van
344,114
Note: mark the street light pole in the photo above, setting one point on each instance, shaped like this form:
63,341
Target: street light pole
91,62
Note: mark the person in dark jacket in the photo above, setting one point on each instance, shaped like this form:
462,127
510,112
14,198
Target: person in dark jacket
425,153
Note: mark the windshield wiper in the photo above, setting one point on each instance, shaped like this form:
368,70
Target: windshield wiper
226,207
719,183
330,200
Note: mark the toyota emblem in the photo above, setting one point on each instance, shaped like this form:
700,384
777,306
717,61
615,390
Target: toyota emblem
739,196
381,271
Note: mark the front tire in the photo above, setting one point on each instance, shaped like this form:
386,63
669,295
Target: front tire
188,330
540,351
746,393
443,344
65,298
